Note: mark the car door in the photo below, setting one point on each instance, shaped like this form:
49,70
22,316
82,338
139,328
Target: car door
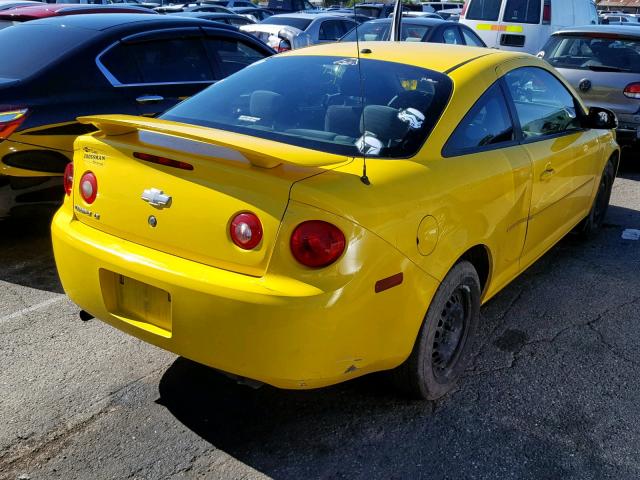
486,147
564,155
156,70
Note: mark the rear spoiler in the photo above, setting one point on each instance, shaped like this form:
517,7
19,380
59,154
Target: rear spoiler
258,151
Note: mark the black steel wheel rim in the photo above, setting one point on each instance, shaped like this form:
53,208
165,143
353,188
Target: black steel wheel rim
451,332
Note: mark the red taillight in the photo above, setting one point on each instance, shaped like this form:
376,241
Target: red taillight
68,178
464,9
546,12
167,162
316,243
10,119
632,90
246,230
88,187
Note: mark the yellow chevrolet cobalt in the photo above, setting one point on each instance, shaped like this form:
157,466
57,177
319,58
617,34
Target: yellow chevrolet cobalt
325,213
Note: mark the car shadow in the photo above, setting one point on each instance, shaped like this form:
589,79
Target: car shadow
26,254
498,423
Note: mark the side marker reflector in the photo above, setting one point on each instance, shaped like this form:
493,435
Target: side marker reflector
389,282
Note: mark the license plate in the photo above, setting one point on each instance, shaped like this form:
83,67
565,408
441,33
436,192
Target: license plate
138,303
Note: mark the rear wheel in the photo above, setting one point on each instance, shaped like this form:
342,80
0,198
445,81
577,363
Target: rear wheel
439,354
594,220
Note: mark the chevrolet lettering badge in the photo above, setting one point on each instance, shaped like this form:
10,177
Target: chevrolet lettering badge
156,198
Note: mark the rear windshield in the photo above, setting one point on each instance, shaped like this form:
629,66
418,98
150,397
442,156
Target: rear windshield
373,12
324,108
593,53
487,10
295,22
522,11
27,48
376,32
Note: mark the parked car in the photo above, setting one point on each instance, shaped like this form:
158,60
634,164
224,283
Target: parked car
17,15
295,30
256,14
289,6
232,3
256,243
54,70
8,4
383,10
417,30
192,7
452,14
228,18
524,25
138,3
616,19
412,14
440,6
603,65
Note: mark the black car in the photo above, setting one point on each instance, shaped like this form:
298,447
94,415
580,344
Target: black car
417,30
56,69
258,13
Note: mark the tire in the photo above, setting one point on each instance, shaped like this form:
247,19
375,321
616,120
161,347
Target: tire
594,220
433,367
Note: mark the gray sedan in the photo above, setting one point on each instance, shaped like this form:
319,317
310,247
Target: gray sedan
603,64
296,30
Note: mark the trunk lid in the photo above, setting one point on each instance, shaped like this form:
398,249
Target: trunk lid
232,173
605,89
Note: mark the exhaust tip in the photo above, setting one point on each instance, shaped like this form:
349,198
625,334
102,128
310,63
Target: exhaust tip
85,316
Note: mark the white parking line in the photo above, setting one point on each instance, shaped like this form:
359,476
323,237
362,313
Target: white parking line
33,308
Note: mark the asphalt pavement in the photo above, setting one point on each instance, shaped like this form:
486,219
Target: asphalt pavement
551,392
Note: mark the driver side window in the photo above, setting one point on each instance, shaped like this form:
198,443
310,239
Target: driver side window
543,105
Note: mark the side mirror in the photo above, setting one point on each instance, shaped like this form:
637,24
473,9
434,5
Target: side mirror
601,119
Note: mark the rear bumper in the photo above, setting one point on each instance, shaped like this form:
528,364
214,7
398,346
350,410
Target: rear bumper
49,168
273,329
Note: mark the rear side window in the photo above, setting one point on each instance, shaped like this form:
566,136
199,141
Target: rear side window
522,11
487,10
160,61
543,105
231,56
26,49
331,30
487,125
593,53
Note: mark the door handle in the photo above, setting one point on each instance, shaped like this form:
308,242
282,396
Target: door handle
144,99
548,172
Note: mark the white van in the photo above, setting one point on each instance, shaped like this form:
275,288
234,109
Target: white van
525,25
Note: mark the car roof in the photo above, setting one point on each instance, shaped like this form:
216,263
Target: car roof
53,9
204,15
105,21
626,30
434,56
308,16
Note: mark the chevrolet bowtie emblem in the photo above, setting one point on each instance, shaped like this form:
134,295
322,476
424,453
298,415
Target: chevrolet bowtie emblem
156,198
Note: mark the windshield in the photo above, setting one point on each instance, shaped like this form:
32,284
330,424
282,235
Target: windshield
323,109
487,10
296,22
379,31
593,53
28,48
522,11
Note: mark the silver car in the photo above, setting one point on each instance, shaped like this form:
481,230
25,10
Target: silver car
603,64
295,30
